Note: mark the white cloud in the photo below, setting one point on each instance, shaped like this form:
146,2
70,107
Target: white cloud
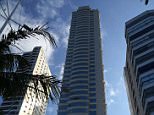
111,101
48,9
105,71
103,33
66,29
61,71
55,3
106,83
113,92
72,5
45,10
51,109
61,28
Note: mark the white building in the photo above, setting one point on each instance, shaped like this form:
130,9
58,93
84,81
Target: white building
29,103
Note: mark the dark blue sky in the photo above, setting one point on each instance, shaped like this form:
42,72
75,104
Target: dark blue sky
114,14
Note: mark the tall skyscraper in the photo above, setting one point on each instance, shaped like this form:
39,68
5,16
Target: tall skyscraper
139,69
28,103
83,81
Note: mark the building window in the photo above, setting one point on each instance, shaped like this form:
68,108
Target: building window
79,110
92,113
93,106
92,94
92,100
78,104
92,89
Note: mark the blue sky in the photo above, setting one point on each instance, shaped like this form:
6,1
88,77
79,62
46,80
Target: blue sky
114,14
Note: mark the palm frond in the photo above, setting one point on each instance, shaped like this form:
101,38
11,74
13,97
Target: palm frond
4,45
11,62
13,84
42,31
23,32
146,2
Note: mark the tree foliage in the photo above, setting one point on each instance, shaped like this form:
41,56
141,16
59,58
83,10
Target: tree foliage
12,83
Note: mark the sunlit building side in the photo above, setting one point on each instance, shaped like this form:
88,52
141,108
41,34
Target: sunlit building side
29,103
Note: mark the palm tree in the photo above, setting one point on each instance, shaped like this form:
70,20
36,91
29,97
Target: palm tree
12,83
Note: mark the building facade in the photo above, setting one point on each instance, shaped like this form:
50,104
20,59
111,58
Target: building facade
139,69
83,81
29,103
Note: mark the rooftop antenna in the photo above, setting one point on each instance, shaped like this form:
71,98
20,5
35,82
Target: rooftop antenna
9,17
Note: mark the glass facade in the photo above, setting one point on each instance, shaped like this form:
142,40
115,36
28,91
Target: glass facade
139,69
84,96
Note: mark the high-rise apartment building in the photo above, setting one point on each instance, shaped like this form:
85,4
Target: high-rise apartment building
29,103
139,69
83,81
